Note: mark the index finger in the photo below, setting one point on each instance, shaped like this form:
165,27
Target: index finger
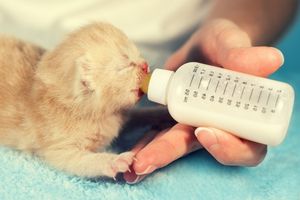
165,148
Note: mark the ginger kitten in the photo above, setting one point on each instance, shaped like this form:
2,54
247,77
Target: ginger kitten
65,105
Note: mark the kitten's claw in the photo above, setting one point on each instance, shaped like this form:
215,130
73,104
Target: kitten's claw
121,163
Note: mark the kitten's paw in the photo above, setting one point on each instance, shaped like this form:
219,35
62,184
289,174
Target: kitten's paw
121,163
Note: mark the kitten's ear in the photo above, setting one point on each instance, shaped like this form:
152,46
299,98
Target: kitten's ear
84,68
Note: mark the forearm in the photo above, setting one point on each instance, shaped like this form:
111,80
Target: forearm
263,20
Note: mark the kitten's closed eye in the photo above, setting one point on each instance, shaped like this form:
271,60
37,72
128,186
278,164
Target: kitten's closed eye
143,66
124,69
129,66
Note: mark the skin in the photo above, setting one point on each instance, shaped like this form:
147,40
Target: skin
233,40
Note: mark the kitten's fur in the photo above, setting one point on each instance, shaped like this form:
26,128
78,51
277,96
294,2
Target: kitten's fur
66,104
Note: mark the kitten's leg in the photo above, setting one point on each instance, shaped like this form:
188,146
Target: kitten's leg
87,163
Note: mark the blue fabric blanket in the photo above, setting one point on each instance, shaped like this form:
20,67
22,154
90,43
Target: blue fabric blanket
197,176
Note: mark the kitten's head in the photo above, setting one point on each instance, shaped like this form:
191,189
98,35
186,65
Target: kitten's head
101,66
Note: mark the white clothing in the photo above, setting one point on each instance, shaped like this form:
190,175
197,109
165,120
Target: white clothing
155,26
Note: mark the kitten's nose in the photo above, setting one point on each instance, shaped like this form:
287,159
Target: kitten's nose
145,67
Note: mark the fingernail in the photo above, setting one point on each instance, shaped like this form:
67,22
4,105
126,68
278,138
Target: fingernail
282,56
208,137
148,170
136,180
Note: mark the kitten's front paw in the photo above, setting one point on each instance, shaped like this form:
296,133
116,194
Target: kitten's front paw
121,163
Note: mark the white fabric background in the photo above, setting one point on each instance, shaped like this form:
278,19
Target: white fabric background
157,27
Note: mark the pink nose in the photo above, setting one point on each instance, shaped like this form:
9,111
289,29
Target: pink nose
144,67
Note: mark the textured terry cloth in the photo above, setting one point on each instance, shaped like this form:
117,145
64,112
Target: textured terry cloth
197,176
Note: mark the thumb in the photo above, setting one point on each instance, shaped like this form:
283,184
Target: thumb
229,149
259,61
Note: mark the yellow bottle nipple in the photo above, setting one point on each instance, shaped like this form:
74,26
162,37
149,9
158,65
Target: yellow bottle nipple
145,83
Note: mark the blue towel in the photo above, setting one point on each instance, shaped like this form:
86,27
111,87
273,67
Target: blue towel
197,176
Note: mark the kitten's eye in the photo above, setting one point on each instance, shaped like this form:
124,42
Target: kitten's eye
129,66
126,68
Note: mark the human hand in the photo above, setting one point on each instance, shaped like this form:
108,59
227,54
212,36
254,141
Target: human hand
223,44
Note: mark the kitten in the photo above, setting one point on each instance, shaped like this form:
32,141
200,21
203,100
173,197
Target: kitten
65,105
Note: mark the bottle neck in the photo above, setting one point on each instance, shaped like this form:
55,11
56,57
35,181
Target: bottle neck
158,85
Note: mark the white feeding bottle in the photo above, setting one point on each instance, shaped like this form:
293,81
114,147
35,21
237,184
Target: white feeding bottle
253,108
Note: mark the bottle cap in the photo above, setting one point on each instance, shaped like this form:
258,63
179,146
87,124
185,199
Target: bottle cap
158,85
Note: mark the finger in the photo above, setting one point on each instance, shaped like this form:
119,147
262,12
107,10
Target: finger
229,149
145,140
230,48
132,178
165,148
222,43
259,61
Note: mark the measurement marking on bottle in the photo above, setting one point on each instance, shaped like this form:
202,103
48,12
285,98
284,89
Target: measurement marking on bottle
225,88
208,84
259,96
242,93
268,98
217,86
251,94
200,82
277,100
192,80
233,90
